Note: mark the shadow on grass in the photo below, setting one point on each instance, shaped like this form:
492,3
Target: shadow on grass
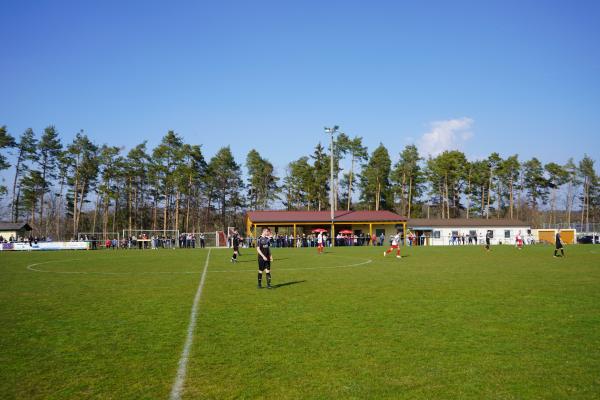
253,260
287,284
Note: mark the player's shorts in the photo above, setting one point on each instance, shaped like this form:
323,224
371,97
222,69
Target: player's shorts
319,244
236,248
559,245
394,246
487,241
262,264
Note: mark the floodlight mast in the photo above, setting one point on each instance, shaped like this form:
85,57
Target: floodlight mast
331,132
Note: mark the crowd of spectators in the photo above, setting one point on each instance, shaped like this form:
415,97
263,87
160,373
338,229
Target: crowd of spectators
24,239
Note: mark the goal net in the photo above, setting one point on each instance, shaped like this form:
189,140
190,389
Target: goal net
143,238
98,239
204,239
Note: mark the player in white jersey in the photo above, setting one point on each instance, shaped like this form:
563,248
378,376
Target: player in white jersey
395,245
320,242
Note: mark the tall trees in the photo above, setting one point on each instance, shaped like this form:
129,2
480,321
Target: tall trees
195,173
110,169
320,186
446,174
137,164
590,182
535,184
298,184
262,182
166,159
31,185
557,177
476,174
358,153
6,141
83,166
225,177
49,149
375,180
572,181
85,186
510,171
407,178
25,151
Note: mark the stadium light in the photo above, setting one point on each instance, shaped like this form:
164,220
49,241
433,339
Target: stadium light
331,131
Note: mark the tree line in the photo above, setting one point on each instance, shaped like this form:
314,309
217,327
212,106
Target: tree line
63,189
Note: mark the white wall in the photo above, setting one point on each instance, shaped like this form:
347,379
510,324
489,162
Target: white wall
446,233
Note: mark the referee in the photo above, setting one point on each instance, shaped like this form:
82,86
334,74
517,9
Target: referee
235,242
558,245
263,248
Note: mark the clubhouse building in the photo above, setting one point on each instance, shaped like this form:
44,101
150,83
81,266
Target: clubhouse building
435,232
426,232
304,222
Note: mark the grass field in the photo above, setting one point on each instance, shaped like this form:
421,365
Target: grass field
443,322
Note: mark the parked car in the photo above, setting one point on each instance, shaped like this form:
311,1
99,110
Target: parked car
588,239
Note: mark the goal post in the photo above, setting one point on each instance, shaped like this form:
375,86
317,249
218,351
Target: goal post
98,239
142,238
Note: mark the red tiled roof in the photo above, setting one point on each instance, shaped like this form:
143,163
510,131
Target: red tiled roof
323,216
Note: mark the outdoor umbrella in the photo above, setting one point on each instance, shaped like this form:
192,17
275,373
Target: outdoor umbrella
319,230
346,232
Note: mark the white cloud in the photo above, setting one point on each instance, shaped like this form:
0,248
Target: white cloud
446,135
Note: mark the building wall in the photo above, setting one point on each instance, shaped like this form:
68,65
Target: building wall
568,236
7,234
499,234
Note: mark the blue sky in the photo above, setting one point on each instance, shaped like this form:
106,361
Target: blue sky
508,76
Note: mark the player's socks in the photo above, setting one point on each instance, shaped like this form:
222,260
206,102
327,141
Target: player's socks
562,252
234,256
268,280
259,280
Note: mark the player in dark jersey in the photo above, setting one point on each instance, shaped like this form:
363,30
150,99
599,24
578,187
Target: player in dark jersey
488,239
558,245
263,248
235,243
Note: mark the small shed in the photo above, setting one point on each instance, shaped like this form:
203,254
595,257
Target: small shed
14,230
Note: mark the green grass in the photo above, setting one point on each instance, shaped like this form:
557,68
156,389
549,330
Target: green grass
443,322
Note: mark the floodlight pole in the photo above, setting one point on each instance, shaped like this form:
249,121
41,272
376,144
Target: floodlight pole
331,132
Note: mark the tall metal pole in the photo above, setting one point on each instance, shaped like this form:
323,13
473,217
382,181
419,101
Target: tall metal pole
332,188
331,132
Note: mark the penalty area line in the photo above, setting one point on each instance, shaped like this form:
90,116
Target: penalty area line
178,385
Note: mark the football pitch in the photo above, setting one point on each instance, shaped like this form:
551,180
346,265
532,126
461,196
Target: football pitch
442,322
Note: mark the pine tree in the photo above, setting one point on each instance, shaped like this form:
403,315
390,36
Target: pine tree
225,175
407,178
48,151
6,142
375,180
262,182
26,148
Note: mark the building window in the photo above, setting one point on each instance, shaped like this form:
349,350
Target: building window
436,234
507,234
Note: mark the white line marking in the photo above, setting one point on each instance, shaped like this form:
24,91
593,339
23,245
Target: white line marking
31,268
297,269
177,389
